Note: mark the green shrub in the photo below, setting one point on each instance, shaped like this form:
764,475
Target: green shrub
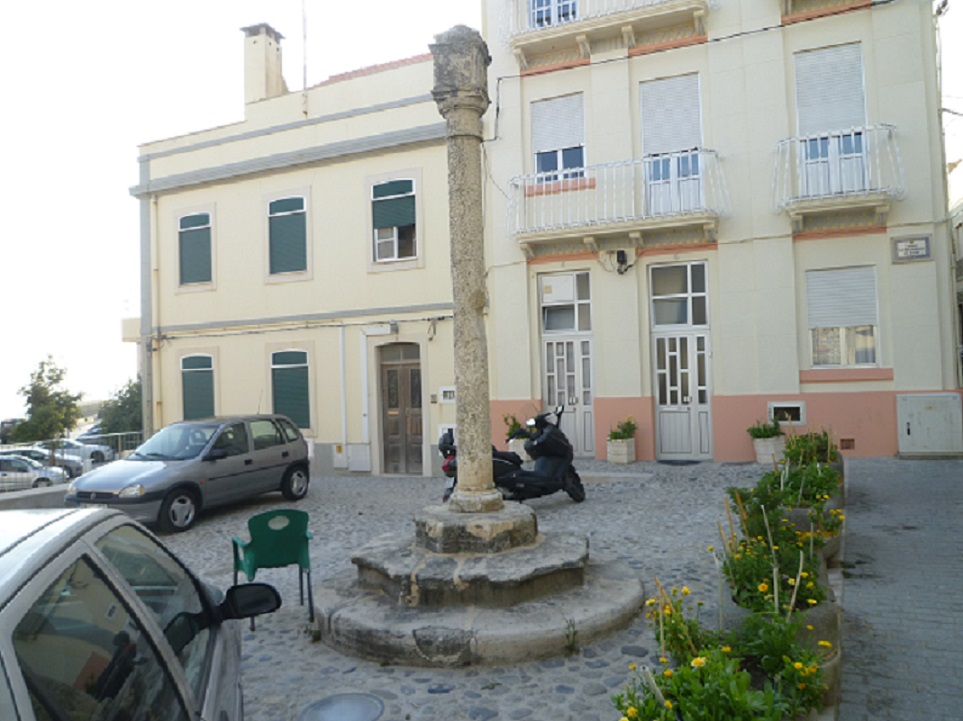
624,430
769,429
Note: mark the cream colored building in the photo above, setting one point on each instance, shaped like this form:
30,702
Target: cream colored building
298,262
698,214
708,213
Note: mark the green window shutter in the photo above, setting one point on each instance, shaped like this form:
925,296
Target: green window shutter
290,390
394,212
285,205
288,245
391,188
195,255
197,362
289,358
198,393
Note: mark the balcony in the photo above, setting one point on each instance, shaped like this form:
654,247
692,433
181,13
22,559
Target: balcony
859,169
582,208
567,29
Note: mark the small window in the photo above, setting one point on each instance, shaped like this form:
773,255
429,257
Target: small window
566,302
265,434
558,138
287,235
842,319
790,412
393,219
168,591
194,247
290,386
679,295
197,386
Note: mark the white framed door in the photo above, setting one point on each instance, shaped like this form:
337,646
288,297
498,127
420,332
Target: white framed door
568,382
682,394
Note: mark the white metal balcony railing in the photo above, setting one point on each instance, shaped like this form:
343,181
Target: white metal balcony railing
534,15
669,185
843,164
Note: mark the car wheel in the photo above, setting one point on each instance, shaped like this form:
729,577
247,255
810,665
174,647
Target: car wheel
294,486
178,511
42,483
97,457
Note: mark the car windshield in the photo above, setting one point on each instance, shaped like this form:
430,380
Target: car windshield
176,443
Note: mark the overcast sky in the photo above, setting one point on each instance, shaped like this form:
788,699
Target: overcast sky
85,83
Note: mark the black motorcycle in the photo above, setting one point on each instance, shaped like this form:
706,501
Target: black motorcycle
546,444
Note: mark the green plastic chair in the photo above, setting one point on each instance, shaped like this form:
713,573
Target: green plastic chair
278,538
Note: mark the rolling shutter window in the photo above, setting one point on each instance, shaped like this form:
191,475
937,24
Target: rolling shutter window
194,248
558,123
393,204
289,386
287,231
197,386
829,89
841,298
671,114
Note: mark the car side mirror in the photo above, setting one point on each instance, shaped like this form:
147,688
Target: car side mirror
249,599
216,454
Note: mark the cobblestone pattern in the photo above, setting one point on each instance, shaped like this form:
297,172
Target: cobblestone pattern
902,627
658,518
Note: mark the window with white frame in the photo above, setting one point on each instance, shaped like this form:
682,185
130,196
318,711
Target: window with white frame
671,113
543,13
197,386
287,235
566,302
290,386
558,138
831,116
393,215
842,317
680,295
194,248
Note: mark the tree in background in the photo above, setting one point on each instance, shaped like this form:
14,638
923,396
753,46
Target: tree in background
122,413
52,411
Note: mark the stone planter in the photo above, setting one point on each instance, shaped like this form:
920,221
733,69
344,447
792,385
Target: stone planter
769,449
621,451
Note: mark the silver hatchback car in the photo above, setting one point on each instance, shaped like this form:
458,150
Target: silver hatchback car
101,622
193,465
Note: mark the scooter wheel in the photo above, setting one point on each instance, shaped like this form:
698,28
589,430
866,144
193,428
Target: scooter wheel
574,487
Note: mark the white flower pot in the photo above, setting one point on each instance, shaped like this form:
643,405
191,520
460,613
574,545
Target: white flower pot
621,451
769,449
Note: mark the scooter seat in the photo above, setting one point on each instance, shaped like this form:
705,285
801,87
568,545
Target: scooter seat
508,456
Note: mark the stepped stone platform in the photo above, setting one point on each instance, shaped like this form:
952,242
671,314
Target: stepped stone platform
474,588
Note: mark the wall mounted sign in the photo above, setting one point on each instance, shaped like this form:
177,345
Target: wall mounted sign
911,248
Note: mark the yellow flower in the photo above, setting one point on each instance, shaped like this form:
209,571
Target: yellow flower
650,602
698,662
792,581
726,649
667,673
763,587
668,704
805,574
623,719
802,686
809,627
632,667
710,549
686,591
663,660
825,644
810,584
632,712
811,601
798,665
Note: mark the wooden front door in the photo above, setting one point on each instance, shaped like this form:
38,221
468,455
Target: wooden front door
401,409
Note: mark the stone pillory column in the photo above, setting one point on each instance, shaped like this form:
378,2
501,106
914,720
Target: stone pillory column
461,91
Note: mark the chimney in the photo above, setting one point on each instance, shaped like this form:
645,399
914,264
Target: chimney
262,63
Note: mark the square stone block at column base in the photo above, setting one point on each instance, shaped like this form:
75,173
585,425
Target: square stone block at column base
442,530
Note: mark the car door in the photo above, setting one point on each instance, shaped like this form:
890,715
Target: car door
15,474
230,476
272,453
78,645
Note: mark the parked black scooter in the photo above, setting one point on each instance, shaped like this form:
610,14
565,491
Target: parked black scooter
549,448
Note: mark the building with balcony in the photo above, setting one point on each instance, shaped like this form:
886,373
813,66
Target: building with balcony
704,214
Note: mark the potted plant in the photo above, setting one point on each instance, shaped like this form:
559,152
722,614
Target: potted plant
768,441
517,445
621,443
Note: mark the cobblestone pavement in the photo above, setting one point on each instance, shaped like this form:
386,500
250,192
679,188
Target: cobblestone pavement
658,518
902,626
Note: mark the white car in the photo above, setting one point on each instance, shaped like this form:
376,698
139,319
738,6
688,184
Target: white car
18,473
99,621
73,465
94,453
